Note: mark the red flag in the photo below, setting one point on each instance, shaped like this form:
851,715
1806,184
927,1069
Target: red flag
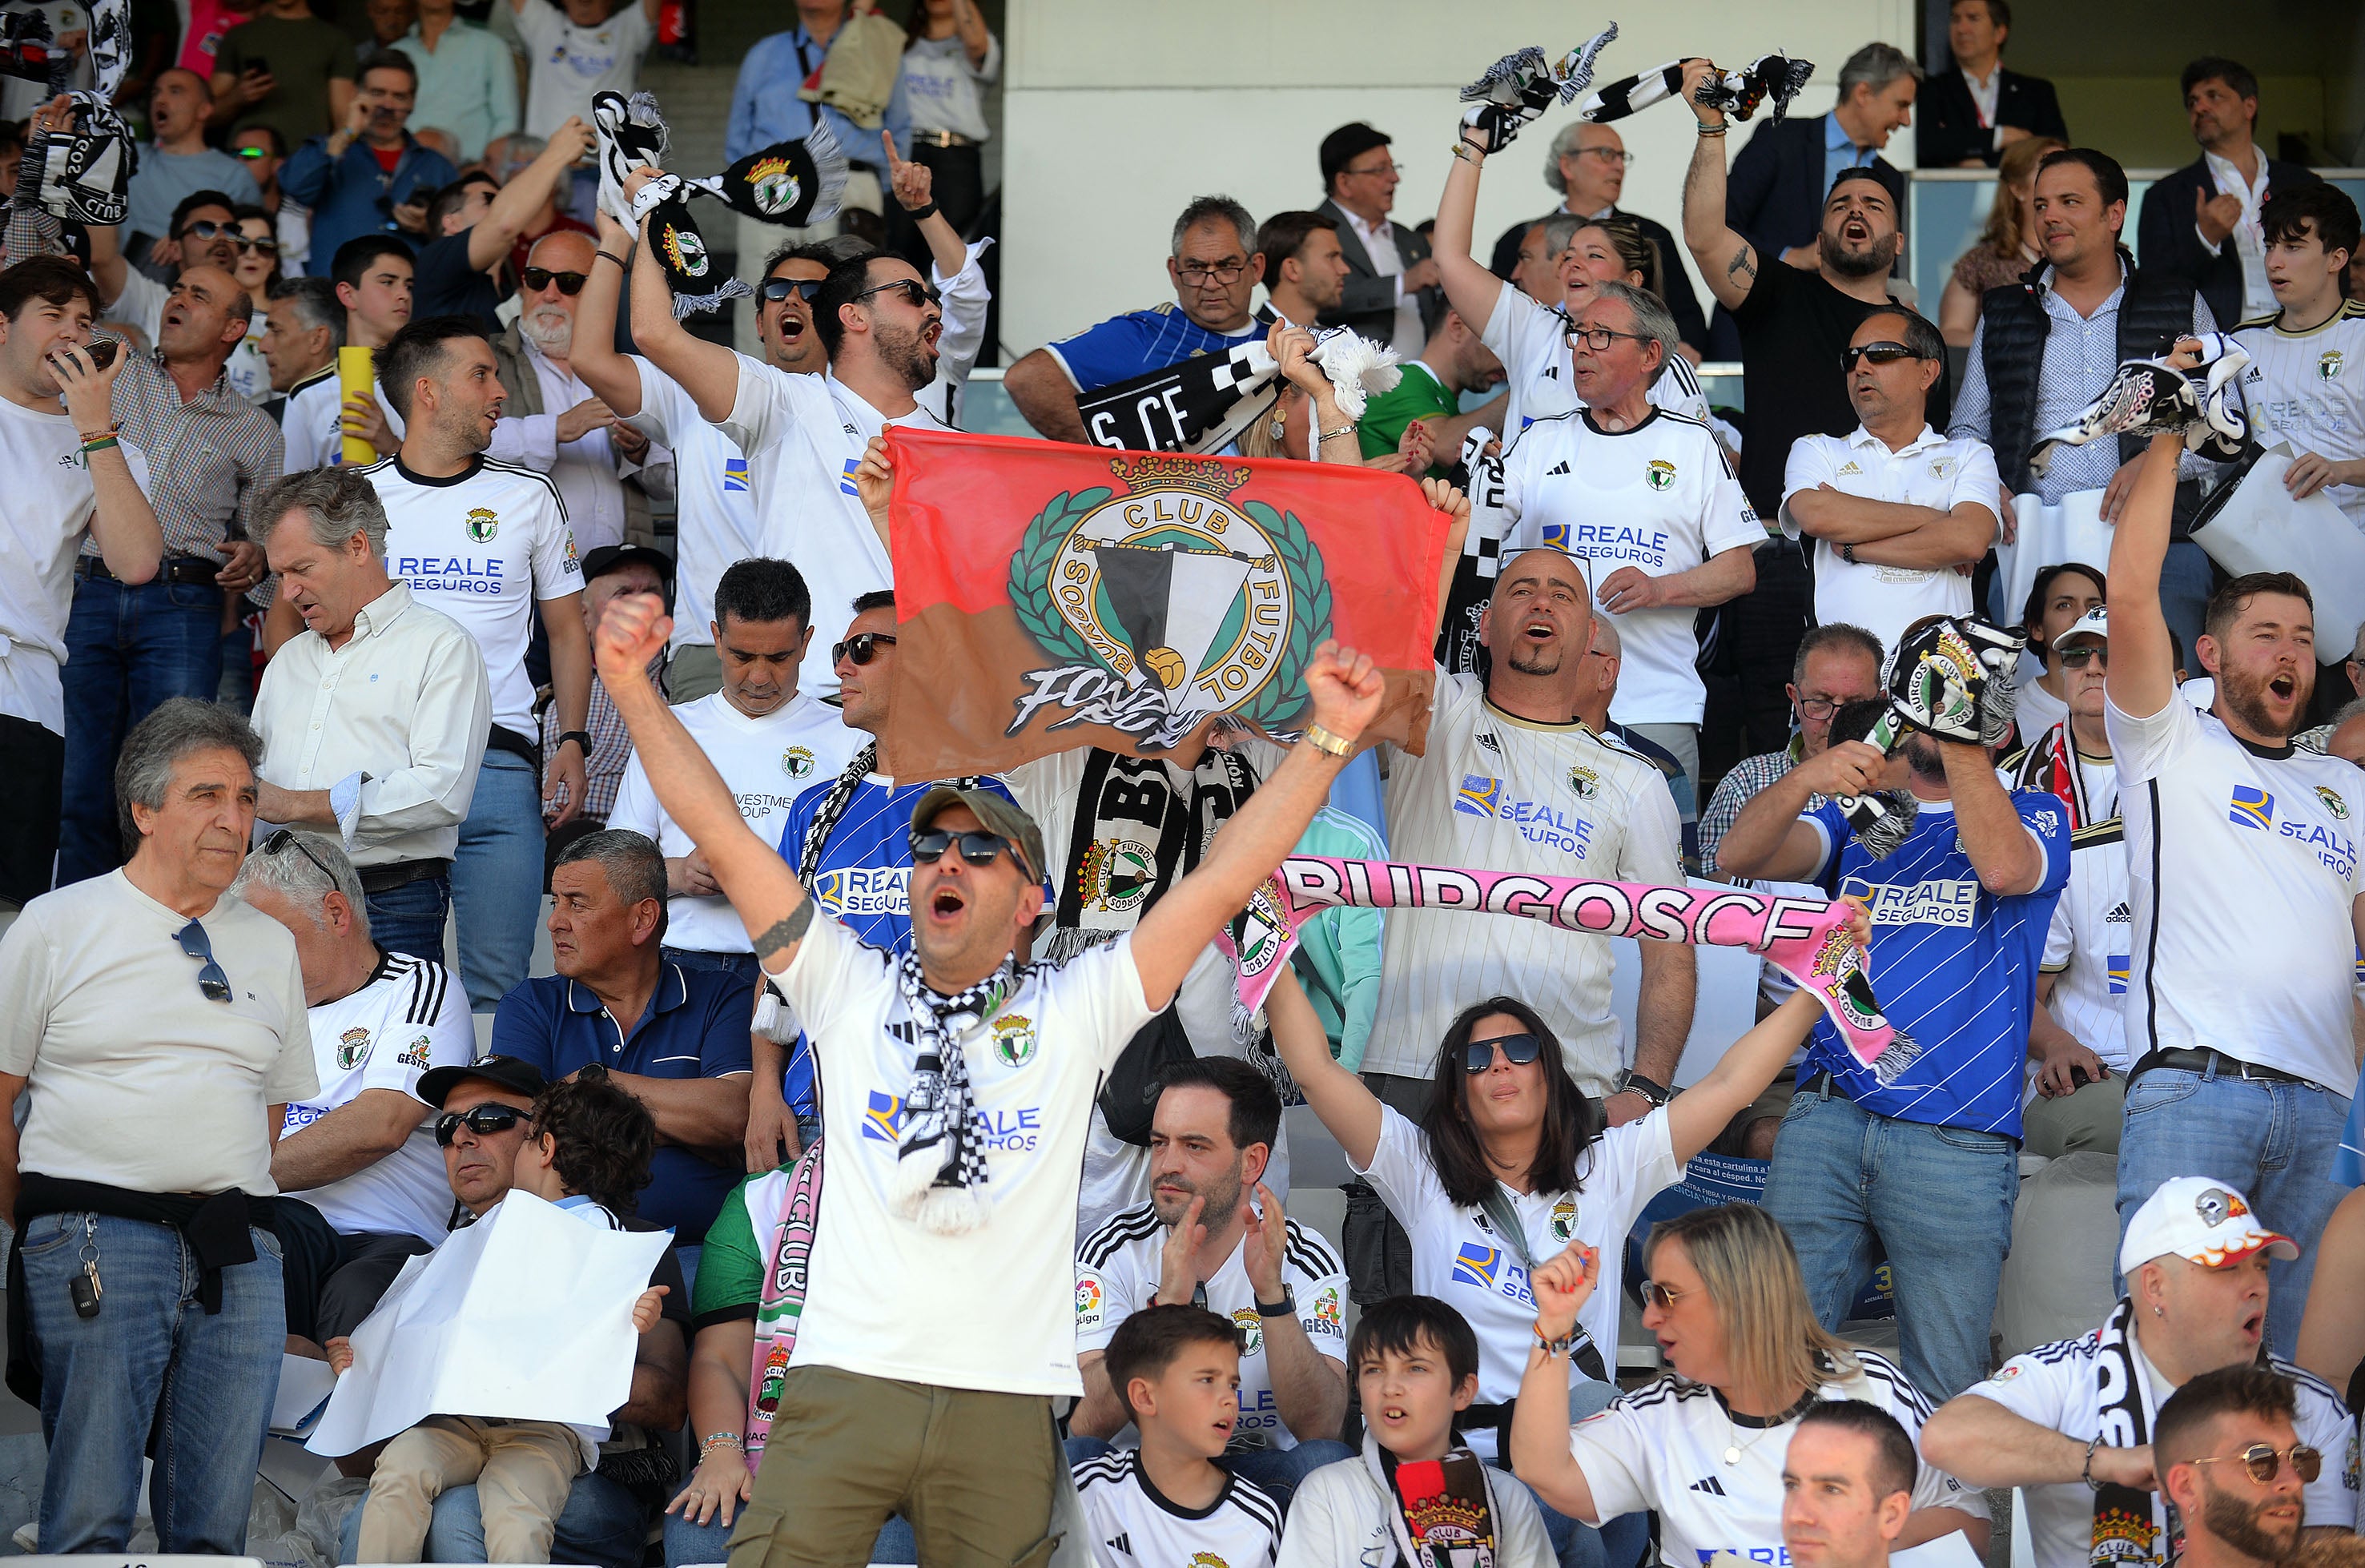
1052,597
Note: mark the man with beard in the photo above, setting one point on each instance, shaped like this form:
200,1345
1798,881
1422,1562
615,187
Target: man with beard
555,424
1795,324
1926,1163
1213,1232
804,435
2228,1456
2239,1028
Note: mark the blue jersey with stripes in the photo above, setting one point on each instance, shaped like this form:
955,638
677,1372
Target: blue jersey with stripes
1140,342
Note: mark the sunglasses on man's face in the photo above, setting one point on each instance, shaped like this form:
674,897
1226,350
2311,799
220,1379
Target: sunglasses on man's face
776,289
569,284
2263,1460
211,982
1477,1056
976,848
207,229
1879,353
2085,653
861,649
482,1120
916,294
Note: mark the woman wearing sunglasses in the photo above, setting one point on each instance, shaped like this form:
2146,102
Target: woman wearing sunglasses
1510,1163
256,270
1702,1445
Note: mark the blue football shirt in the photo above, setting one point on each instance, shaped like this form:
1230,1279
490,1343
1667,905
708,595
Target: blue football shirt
1140,342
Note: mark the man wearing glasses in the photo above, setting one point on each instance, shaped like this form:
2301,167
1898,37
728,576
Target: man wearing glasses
1898,513
2088,1425
176,161
1392,295
146,1004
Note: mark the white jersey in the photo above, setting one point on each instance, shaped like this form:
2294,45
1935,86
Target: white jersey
44,516
409,1018
312,423
1660,498
1671,1447
483,546
1928,471
1492,789
1459,1256
715,525
1341,1515
2242,867
2089,946
804,435
1117,1273
1532,341
2308,388
878,1306
765,763
2058,1386
1134,1526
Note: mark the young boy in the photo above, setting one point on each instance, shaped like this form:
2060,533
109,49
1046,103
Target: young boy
1177,1371
2305,384
1413,1496
589,1154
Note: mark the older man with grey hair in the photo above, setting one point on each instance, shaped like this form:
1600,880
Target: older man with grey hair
374,717
359,1149
160,1026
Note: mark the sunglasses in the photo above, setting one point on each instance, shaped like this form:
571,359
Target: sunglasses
775,289
251,154
285,839
2263,1460
1661,1296
916,294
1477,1056
2083,654
569,284
976,848
1879,353
211,982
862,647
207,229
482,1120
259,246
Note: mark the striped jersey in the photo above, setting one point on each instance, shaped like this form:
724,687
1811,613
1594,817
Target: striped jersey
1954,966
2308,388
1505,793
1134,1526
2087,945
1532,341
1117,1274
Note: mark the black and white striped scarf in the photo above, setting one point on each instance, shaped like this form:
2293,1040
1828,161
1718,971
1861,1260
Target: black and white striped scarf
1737,92
940,1171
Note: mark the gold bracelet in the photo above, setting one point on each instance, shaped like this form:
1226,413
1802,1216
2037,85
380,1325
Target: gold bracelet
1467,153
1325,740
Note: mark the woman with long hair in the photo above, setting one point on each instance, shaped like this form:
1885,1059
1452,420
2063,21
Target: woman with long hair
2007,246
1702,1445
256,270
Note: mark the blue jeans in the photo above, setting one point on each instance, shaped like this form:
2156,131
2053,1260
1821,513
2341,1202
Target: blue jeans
738,965
601,1524
685,1541
2275,1142
1939,1198
152,1360
410,919
128,649
496,878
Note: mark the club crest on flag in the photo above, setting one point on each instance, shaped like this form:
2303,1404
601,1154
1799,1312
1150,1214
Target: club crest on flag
1159,607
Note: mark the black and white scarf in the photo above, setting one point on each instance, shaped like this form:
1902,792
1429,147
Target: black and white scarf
2128,1522
1524,84
83,174
2151,396
1442,1512
1203,403
1737,92
940,1171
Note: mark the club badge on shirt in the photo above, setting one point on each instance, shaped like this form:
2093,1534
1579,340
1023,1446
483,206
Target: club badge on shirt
352,1049
483,524
1013,1040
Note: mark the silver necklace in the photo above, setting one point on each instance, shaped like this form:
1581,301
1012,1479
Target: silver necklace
1736,1448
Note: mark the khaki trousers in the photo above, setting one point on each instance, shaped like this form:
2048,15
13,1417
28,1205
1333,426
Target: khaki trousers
522,1471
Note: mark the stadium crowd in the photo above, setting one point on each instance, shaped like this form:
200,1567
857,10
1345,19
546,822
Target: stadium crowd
395,572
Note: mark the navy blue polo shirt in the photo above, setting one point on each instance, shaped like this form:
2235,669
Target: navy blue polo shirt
696,1026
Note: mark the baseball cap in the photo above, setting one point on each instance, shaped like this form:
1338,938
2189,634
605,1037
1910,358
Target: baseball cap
518,1076
2095,624
599,563
2201,1221
1346,144
998,813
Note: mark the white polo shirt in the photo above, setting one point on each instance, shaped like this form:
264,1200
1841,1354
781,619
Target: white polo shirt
1928,471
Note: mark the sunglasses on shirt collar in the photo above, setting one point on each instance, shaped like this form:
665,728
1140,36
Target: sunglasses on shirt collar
212,984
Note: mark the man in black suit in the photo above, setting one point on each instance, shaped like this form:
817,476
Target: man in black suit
2202,222
1588,166
1391,294
1975,108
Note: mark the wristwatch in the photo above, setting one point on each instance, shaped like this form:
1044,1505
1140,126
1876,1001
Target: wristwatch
1847,554
582,738
1285,1307
1633,1082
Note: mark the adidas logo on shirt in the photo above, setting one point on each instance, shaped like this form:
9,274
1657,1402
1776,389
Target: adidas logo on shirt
2118,914
1850,467
1559,467
1490,742
1121,1544
1709,1484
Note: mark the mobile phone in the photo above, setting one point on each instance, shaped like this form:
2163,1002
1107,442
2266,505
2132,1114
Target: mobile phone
101,351
258,66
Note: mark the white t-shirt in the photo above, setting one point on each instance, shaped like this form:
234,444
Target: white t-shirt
765,763
943,91
2058,1386
1660,498
1496,791
249,372
105,1016
1339,1516
1663,1448
1532,341
2308,388
804,435
408,1019
484,547
567,63
312,423
2036,711
1928,471
2243,872
716,520
878,1303
1459,1258
2088,945
42,526
1117,1273
1133,1525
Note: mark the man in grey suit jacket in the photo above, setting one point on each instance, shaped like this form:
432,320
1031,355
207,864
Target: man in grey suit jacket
1392,295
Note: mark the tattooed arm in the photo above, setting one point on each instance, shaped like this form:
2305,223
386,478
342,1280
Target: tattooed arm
760,885
1727,261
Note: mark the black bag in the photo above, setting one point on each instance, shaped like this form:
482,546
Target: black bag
1130,1096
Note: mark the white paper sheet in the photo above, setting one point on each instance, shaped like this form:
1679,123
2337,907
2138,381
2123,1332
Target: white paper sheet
2069,530
304,1385
527,1313
2261,529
